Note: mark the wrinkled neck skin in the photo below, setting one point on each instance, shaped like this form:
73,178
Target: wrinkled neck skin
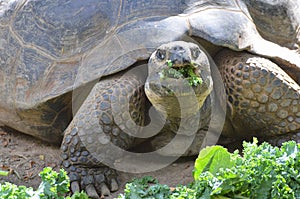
190,125
186,108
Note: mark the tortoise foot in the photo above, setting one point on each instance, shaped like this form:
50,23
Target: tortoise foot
95,181
85,171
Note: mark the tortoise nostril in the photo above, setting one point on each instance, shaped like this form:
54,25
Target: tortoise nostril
186,61
178,48
178,55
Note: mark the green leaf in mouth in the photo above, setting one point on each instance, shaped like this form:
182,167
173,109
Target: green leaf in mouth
187,71
169,63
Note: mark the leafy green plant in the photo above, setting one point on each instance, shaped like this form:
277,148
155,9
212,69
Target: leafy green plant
213,159
146,187
187,71
263,171
78,195
12,191
53,185
4,173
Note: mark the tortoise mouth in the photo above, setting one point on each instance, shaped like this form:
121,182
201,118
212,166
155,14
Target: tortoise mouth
179,79
178,90
182,70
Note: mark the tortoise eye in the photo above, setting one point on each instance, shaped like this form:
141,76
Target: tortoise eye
161,54
195,52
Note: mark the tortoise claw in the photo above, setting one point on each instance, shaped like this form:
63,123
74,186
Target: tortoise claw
91,192
104,190
114,185
75,186
94,181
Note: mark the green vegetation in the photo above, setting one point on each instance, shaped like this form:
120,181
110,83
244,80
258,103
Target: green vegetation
146,187
3,173
183,72
262,172
53,185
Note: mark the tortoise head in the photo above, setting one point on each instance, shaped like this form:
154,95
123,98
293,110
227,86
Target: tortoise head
179,79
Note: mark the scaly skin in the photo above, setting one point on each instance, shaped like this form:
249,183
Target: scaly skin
94,126
262,99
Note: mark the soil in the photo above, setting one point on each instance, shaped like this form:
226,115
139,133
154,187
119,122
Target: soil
25,156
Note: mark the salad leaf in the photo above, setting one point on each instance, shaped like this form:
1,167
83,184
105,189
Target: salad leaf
212,159
262,171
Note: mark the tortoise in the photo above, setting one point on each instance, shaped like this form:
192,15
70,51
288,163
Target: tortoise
68,69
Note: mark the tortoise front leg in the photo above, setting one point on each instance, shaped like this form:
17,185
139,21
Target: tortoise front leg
263,100
101,122
84,170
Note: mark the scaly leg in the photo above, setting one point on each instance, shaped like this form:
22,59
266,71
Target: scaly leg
262,99
101,122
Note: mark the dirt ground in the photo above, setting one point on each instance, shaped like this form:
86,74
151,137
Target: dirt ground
25,156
